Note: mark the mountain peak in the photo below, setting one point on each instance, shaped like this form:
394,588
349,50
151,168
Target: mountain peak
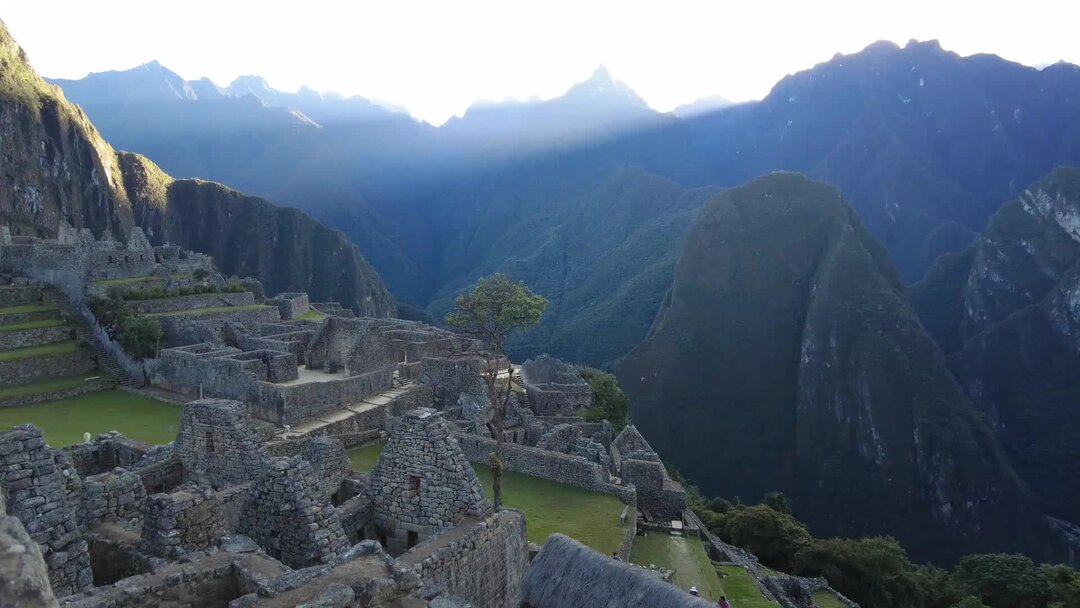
602,85
248,84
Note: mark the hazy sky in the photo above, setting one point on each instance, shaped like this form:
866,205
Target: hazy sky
436,58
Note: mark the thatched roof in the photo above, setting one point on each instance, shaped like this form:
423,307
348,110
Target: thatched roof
567,573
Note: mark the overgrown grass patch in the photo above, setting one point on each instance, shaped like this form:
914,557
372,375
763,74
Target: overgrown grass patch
591,518
130,281
741,590
24,308
68,346
312,315
42,324
826,600
683,554
65,420
49,386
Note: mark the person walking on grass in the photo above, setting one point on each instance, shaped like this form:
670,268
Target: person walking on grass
722,602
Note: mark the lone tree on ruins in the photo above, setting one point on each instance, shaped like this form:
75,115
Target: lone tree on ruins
493,310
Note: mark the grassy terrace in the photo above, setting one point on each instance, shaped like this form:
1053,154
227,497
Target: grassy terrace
137,280
826,600
11,310
65,420
686,556
590,517
206,311
312,315
49,386
44,323
68,346
740,589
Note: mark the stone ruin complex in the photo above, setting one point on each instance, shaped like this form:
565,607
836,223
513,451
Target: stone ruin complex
255,503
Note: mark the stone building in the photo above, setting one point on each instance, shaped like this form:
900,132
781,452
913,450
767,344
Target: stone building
659,497
554,388
422,483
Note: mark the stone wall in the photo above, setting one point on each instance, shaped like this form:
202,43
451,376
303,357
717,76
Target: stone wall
485,564
453,377
563,468
202,327
24,578
35,369
290,518
90,386
36,494
191,518
19,295
217,443
113,496
554,387
656,493
422,482
106,452
297,402
22,338
208,300
329,462
290,305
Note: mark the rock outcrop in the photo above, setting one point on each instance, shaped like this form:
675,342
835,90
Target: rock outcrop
1007,312
786,357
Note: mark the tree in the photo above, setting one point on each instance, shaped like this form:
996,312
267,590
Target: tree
777,501
773,536
495,308
609,401
1002,580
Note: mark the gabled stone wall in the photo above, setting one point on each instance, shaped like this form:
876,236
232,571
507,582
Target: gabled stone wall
35,491
218,445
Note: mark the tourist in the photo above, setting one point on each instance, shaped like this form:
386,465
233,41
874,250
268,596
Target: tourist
722,602
694,591
615,554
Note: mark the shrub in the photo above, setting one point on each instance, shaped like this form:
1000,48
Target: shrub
609,401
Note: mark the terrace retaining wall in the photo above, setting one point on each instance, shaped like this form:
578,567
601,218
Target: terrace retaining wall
22,338
208,300
35,369
192,328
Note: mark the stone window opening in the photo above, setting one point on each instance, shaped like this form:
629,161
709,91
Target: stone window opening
210,441
412,539
414,482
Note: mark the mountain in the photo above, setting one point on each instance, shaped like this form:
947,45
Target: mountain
58,168
921,141
1007,310
786,357
592,109
702,106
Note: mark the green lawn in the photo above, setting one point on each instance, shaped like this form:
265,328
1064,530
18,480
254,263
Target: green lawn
740,589
205,311
683,554
65,420
42,324
49,386
23,308
363,458
68,346
312,315
590,517
826,600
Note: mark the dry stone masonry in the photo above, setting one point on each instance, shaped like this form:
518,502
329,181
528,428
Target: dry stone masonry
217,444
422,483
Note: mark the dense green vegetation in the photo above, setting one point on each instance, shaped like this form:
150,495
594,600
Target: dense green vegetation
155,292
609,401
65,420
787,357
24,308
140,335
68,346
877,572
590,517
207,311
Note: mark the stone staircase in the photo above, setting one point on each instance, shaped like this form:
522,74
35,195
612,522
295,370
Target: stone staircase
336,417
105,359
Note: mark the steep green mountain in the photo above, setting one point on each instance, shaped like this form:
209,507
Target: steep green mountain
57,168
1007,310
786,357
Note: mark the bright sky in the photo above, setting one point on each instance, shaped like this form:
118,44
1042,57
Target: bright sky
437,57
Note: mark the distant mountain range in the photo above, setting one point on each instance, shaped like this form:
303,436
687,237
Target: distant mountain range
600,204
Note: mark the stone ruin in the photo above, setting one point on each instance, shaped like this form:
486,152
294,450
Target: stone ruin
214,519
659,496
554,388
422,484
